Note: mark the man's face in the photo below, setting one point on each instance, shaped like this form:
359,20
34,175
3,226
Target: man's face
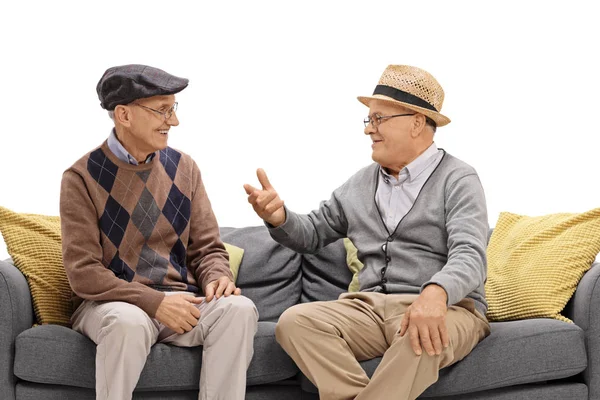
149,130
393,147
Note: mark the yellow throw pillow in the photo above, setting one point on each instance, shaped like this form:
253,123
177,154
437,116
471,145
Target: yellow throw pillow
34,243
353,264
535,263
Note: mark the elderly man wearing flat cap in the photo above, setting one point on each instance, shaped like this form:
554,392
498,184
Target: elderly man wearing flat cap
418,219
142,250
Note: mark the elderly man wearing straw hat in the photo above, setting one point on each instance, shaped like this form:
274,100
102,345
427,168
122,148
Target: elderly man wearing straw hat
142,250
419,221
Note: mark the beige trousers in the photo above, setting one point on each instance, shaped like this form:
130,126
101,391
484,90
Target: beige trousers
328,339
124,334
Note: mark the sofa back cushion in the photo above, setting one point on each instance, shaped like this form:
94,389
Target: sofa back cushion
325,275
270,274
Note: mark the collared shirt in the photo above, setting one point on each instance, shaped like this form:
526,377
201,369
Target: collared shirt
395,197
118,150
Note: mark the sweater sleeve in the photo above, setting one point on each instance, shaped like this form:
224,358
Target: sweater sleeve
82,252
309,233
206,255
467,227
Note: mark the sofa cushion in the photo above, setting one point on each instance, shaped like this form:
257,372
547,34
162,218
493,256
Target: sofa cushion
325,274
53,354
269,274
516,352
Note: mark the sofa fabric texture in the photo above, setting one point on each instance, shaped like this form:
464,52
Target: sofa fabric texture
525,359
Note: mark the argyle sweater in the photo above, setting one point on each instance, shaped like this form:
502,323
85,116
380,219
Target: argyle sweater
131,232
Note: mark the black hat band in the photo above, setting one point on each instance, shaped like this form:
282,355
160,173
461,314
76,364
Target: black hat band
403,97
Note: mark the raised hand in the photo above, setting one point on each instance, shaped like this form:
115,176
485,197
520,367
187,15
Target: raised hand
266,201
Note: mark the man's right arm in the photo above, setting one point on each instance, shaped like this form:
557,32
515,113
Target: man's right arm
82,252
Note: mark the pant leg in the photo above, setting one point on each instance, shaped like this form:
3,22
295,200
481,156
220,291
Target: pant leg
327,339
226,330
403,375
123,334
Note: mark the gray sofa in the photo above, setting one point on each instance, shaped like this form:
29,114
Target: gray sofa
530,359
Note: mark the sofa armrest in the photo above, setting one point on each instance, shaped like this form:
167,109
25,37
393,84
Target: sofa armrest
16,315
585,312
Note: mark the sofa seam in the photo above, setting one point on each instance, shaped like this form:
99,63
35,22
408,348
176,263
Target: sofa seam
472,390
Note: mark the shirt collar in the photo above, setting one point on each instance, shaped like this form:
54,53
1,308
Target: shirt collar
415,168
122,154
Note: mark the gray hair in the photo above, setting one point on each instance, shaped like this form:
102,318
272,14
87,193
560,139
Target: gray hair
111,114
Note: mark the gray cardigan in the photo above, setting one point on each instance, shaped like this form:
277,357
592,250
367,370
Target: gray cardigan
441,240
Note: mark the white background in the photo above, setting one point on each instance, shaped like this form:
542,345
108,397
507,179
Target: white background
274,85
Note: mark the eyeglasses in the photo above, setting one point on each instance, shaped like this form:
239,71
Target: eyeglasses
166,114
375,119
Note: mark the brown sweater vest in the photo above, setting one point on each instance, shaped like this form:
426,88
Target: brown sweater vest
131,232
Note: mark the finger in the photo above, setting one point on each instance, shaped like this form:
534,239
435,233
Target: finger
265,198
413,334
274,206
209,292
177,328
195,312
221,288
191,319
230,288
263,179
237,291
193,299
249,189
426,340
186,326
444,335
434,335
405,322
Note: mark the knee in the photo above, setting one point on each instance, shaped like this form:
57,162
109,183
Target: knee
242,307
127,321
287,324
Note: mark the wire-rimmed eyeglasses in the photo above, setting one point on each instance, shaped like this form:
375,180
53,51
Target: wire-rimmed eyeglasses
166,114
375,119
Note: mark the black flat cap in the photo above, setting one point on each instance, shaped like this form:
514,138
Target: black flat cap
126,83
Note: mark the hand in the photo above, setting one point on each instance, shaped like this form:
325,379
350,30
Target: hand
425,321
222,286
178,312
266,202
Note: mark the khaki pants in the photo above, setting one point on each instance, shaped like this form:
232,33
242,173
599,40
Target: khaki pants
328,339
124,334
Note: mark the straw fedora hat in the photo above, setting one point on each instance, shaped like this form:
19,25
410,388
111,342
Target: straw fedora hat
410,87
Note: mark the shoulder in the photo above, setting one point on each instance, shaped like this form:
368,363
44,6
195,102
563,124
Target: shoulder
96,155
458,175
362,179
365,174
454,169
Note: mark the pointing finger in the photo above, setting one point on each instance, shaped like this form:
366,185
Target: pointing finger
262,178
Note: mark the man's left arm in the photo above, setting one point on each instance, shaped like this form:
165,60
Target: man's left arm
467,227
465,270
206,254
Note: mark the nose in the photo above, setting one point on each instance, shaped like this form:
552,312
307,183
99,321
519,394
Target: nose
172,120
369,129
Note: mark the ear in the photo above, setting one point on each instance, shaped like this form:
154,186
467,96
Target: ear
123,115
418,126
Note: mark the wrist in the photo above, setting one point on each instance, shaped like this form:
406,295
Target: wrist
436,292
